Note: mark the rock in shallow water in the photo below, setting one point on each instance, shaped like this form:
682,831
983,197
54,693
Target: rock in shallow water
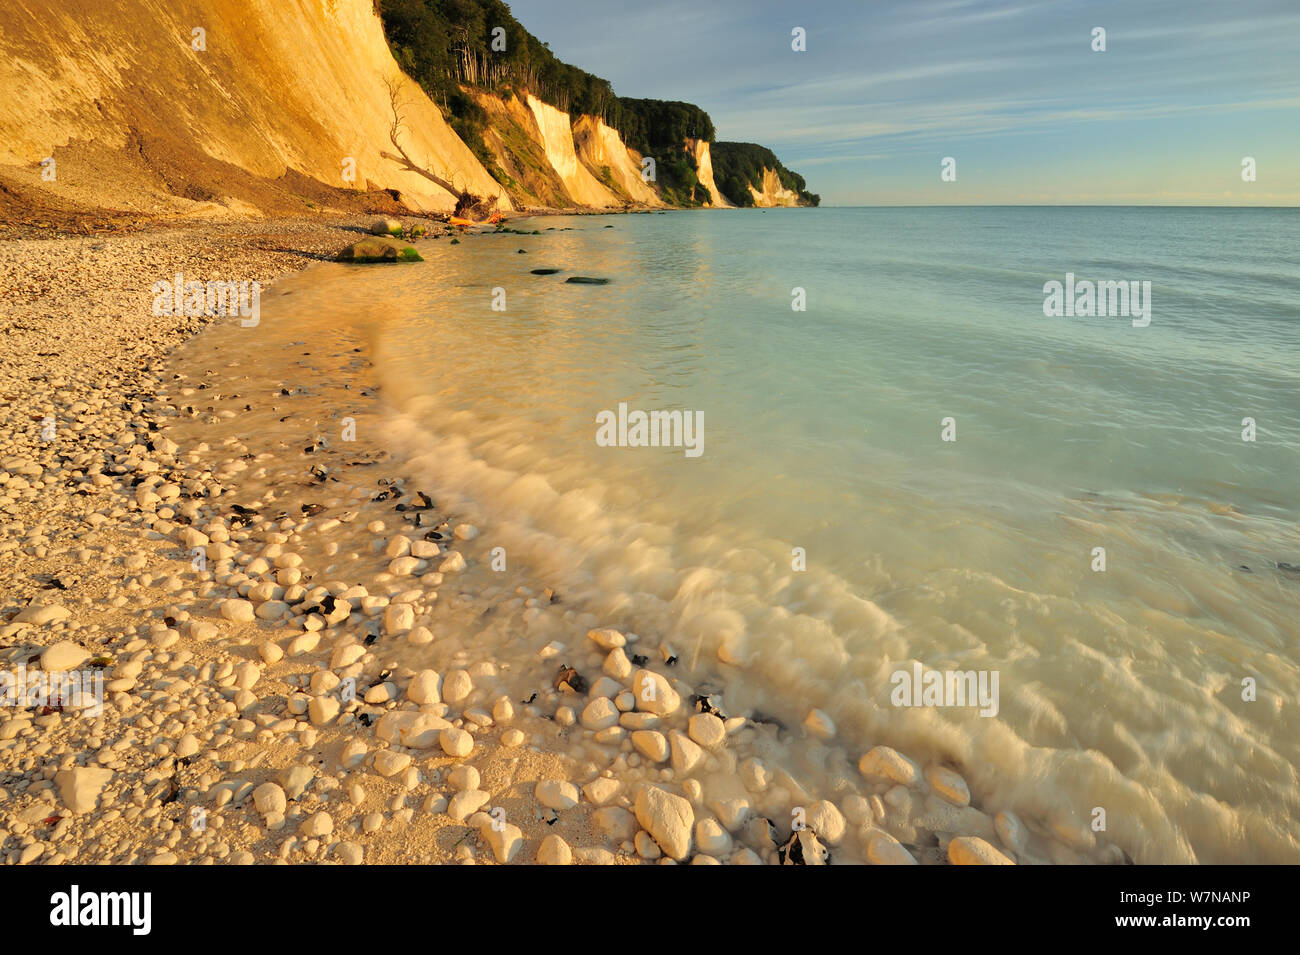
710,837
423,687
398,619
1011,830
453,564
379,249
886,763
654,694
707,730
972,850
686,755
884,849
948,785
601,790
607,638
827,821
819,724
667,818
456,686
652,744
600,714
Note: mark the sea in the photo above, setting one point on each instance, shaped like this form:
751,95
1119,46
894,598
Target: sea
898,463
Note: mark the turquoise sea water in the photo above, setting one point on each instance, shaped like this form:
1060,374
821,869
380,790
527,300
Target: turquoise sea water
1120,689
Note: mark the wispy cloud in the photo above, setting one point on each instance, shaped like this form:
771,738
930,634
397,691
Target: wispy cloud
884,84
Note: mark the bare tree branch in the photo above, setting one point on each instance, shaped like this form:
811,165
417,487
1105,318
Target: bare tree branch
403,158
468,205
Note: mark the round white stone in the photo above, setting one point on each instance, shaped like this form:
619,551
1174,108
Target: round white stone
456,742
237,611
423,687
556,794
707,730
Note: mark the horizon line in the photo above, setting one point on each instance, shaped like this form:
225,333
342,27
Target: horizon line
1033,205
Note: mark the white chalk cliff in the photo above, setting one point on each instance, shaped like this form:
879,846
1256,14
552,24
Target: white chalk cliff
600,146
280,85
557,138
773,193
699,151
254,107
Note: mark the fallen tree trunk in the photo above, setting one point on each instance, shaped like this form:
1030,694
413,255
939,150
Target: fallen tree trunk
468,205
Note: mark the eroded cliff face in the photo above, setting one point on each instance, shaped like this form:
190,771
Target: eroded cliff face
773,193
699,151
548,161
557,139
256,107
514,138
603,152
137,118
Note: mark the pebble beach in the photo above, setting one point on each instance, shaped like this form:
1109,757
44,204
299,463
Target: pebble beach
306,658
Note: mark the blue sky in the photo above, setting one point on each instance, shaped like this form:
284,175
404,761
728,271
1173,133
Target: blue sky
1012,90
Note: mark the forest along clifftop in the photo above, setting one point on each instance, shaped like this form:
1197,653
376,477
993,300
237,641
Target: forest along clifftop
221,108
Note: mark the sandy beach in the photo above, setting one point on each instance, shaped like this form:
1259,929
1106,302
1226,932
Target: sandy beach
254,597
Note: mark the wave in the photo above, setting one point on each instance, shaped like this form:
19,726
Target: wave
778,643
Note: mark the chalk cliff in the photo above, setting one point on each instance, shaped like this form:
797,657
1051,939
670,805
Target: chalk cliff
702,155
140,111
603,151
259,107
773,193
557,139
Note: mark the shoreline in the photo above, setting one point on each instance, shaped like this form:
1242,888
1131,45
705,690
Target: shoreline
235,708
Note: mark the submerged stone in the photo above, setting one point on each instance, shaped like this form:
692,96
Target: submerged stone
379,249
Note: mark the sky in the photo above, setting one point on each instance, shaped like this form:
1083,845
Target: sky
1011,90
